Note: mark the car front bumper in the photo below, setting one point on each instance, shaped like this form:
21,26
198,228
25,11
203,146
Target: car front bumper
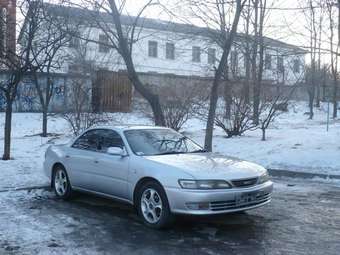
206,202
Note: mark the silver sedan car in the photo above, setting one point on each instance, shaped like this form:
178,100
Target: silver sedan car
158,171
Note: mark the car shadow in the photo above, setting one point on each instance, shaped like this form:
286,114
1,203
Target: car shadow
107,223
230,222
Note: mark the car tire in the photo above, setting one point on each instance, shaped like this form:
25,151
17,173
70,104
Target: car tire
61,183
153,206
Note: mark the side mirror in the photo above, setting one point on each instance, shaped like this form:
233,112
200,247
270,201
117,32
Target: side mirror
117,151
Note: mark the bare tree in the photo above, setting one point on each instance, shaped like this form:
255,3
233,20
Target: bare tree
46,55
16,64
312,27
247,51
79,115
122,37
270,108
240,119
257,61
227,34
334,48
319,76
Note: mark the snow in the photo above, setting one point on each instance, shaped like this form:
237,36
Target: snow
293,143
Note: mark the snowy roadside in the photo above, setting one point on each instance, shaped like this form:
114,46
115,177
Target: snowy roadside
294,143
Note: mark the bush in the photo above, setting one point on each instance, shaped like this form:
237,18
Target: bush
79,115
179,104
239,120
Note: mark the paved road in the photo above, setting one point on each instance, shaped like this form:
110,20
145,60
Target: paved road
303,218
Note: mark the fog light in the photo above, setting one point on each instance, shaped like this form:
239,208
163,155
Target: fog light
198,206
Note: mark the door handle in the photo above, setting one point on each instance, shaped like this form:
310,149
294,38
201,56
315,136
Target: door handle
96,161
67,156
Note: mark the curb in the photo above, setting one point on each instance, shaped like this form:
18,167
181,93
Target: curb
303,175
45,187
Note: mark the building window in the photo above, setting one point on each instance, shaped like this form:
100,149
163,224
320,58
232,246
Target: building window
280,64
211,56
103,44
75,68
153,49
74,41
170,51
196,54
268,62
234,61
296,66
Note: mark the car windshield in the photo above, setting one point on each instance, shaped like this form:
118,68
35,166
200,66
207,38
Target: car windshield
160,142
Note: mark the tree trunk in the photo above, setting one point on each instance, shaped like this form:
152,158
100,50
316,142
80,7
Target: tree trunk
317,103
258,87
211,116
335,102
263,134
310,104
256,70
44,122
256,103
125,51
324,84
228,99
246,84
153,99
7,134
157,110
217,79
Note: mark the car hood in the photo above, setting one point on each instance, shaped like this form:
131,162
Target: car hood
210,165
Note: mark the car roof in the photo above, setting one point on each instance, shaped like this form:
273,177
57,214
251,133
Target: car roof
127,127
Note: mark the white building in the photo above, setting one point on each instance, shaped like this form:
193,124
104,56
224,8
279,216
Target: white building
172,48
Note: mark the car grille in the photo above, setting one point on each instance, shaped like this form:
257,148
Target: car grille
244,182
255,199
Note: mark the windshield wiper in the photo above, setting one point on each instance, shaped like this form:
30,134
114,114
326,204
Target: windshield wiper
170,152
199,151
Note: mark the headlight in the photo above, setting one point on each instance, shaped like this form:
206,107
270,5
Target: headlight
204,184
263,178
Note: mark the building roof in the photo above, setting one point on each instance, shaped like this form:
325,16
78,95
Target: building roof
83,15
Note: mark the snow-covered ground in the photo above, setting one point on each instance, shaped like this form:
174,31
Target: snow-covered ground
293,143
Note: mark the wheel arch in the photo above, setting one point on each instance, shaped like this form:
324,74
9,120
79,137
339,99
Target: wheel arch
140,183
54,167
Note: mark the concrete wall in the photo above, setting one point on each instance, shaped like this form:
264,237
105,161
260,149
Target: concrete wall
166,82
27,99
167,85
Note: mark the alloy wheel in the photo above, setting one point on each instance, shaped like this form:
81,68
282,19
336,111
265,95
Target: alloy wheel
151,205
60,182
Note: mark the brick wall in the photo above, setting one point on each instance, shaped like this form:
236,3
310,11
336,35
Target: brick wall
8,24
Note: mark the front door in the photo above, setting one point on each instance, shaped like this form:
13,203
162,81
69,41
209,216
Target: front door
110,171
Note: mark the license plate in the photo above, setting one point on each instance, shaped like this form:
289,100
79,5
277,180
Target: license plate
245,198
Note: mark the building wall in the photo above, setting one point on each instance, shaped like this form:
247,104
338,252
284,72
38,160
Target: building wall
182,64
8,24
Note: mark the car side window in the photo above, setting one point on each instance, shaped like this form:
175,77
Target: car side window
88,141
109,138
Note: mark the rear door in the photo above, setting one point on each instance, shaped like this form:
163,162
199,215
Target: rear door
79,159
